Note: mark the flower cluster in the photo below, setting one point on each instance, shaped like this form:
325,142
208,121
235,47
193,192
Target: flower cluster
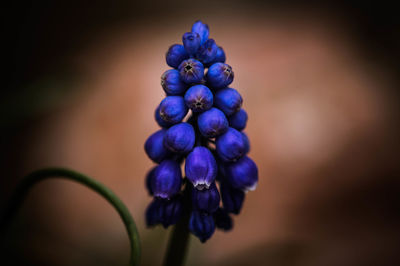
210,140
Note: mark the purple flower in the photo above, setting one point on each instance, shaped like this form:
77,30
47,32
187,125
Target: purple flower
219,75
202,225
242,174
167,179
228,100
231,145
206,200
180,138
191,71
199,98
232,198
212,123
154,146
201,168
175,55
201,29
207,52
191,42
202,125
163,211
172,83
238,120
172,109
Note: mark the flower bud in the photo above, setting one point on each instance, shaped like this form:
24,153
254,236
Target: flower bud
238,120
154,212
210,141
228,100
223,220
246,142
231,145
172,83
191,71
207,52
232,198
163,211
149,178
191,42
219,75
159,120
220,57
199,98
173,109
167,179
180,138
172,211
175,55
154,146
201,168
201,225
212,123
242,174
206,200
202,29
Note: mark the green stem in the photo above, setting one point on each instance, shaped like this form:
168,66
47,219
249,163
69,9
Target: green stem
23,188
178,244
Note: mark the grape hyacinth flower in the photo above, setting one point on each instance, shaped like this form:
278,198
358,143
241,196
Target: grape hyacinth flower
212,123
201,168
172,83
199,98
165,212
161,122
172,109
167,179
207,52
220,57
191,42
149,178
210,140
191,71
201,29
228,100
242,174
231,146
238,120
155,148
232,198
206,200
175,55
180,138
220,75
202,225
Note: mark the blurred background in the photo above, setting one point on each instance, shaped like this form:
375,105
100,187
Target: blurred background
320,84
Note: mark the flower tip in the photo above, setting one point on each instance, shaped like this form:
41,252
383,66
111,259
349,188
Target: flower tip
200,185
252,187
201,225
161,195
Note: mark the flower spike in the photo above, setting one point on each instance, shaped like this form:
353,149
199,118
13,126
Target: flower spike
202,121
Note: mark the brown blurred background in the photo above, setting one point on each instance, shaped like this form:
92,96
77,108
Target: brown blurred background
320,84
